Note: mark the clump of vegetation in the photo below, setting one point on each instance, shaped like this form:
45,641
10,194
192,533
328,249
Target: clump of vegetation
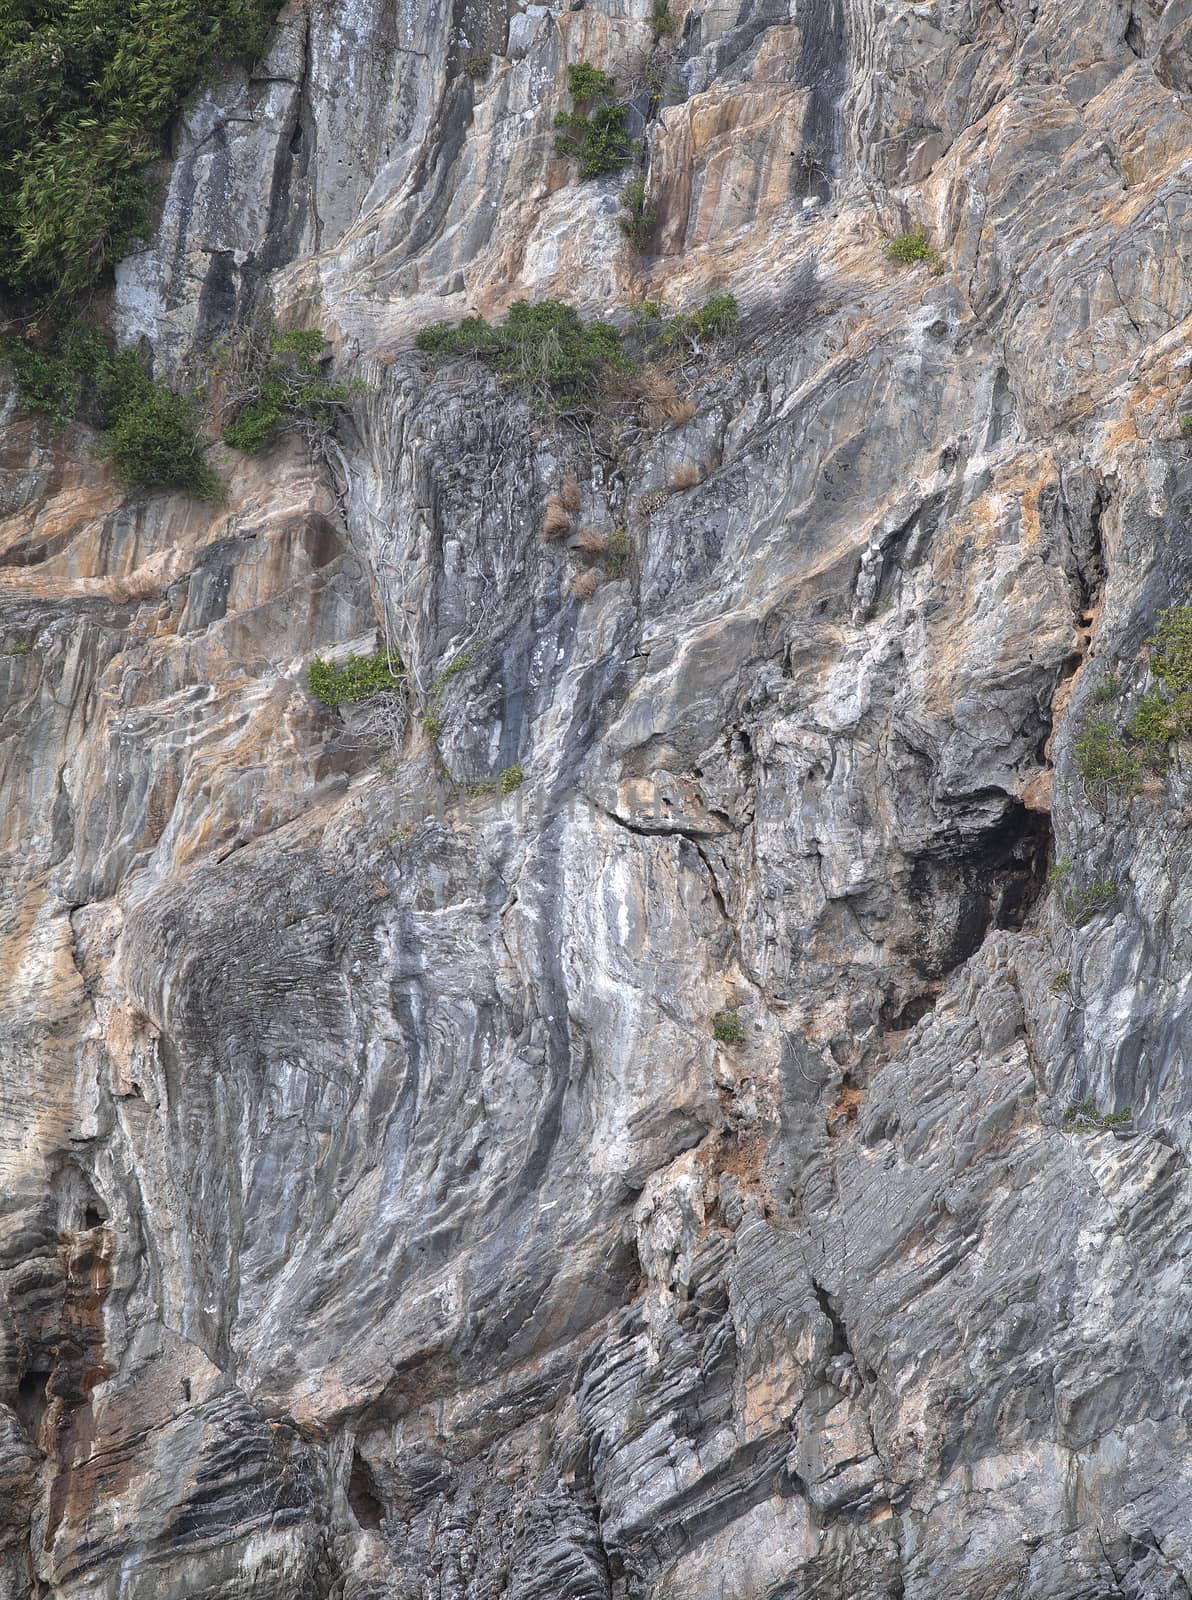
359,678
637,218
686,476
1103,760
597,138
692,330
555,520
476,64
545,349
152,434
512,778
87,89
1084,1117
586,584
618,551
727,1028
1162,716
1186,427
570,494
274,381
1060,981
662,18
1080,905
908,249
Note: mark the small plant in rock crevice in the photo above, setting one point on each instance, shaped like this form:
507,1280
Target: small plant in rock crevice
637,218
727,1028
912,249
1080,905
512,778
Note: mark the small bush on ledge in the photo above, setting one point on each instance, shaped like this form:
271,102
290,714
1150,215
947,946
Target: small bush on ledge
512,778
910,249
359,678
545,349
727,1028
274,381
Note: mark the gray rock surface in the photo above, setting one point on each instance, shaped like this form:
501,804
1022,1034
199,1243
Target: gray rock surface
380,1218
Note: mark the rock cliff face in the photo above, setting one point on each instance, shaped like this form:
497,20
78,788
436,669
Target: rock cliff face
380,1218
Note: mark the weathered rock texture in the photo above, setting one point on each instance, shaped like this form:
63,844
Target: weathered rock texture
379,1218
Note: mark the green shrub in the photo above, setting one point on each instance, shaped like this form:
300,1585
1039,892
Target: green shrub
1103,760
599,139
727,1028
1085,1118
358,678
1080,905
277,383
619,551
907,249
691,330
1186,427
545,349
1171,649
512,778
87,89
586,83
637,219
151,433
1061,981
662,18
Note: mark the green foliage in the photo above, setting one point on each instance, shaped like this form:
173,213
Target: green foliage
599,140
51,371
637,219
1061,980
619,551
662,18
87,88
1186,427
358,678
727,1028
280,385
1084,1117
586,83
152,433
459,664
511,779
1103,760
1171,647
1080,905
477,64
692,330
908,249
544,348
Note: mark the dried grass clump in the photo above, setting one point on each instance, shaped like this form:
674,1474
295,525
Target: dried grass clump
586,585
591,541
661,403
686,476
555,521
571,496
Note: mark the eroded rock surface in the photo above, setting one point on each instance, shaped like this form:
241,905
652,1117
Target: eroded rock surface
380,1217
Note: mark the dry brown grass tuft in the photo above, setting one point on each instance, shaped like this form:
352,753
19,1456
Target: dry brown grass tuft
686,476
586,585
571,497
590,540
555,521
654,390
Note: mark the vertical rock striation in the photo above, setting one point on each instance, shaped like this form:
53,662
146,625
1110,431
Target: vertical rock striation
381,1217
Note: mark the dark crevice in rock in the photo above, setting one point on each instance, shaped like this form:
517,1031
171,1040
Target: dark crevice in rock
367,1506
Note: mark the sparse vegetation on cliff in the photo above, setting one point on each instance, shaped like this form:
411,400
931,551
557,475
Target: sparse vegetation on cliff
359,678
911,249
274,382
637,218
596,133
727,1028
150,431
545,349
1108,759
87,88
